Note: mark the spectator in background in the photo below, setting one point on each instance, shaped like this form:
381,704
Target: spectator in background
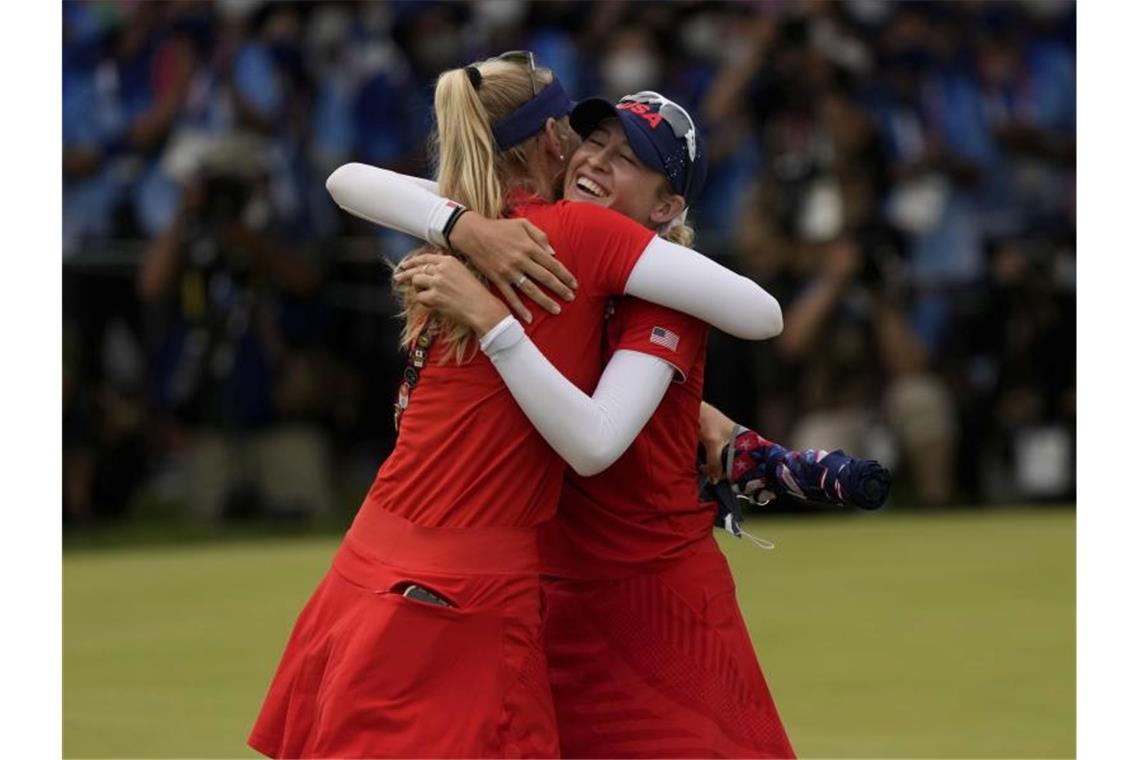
1018,373
739,45
104,423
118,114
857,359
233,368
1028,92
90,132
248,80
555,31
632,63
929,115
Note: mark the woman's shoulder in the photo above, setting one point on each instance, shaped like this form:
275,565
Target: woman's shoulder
583,211
587,221
631,308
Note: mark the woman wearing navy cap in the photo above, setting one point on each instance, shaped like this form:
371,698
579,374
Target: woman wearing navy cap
424,637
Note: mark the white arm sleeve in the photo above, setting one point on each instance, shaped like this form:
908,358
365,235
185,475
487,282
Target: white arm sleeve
666,274
679,278
590,433
427,184
407,204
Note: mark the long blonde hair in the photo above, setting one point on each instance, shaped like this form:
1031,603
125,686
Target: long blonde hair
471,168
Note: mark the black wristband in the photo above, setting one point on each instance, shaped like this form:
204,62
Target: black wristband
450,225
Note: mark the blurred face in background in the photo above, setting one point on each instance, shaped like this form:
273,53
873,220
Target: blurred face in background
632,63
436,40
606,172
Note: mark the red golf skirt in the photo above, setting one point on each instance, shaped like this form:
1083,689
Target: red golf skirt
658,665
369,672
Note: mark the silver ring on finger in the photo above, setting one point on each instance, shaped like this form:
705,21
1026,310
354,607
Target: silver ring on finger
521,281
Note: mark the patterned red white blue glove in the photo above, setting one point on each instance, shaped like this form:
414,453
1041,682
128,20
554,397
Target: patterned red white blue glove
758,470
758,467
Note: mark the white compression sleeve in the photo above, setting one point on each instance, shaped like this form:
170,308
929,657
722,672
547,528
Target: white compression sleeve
590,433
427,184
665,274
408,204
680,278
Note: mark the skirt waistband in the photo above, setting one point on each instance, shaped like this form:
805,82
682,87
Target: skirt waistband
381,536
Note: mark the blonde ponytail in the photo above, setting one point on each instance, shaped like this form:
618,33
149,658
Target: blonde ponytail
466,150
471,168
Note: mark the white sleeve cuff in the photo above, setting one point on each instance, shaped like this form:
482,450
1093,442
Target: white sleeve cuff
392,200
437,222
502,336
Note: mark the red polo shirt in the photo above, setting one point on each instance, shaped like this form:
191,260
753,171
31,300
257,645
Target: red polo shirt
466,455
643,511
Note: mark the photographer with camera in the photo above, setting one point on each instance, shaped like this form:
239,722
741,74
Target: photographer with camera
857,359
234,371
849,371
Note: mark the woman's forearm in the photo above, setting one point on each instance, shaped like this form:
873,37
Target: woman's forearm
396,201
682,279
589,432
514,255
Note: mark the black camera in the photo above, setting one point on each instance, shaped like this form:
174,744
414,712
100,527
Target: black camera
884,257
225,199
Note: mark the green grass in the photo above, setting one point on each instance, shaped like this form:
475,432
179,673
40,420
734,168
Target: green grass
893,635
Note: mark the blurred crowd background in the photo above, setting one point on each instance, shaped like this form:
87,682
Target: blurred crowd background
901,175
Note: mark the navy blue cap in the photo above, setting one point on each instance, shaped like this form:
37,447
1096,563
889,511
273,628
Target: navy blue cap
668,143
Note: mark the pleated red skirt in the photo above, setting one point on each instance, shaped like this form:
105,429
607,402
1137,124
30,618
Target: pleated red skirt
369,672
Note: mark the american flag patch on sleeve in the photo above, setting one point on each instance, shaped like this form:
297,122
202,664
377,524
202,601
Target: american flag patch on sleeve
662,337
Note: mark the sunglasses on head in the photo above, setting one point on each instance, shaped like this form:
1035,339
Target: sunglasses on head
522,56
678,120
676,117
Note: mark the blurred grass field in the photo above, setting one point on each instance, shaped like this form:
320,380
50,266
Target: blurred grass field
889,635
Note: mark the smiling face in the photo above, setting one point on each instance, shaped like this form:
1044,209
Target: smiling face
604,171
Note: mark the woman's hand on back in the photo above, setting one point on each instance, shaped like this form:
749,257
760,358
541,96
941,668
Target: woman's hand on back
513,254
444,284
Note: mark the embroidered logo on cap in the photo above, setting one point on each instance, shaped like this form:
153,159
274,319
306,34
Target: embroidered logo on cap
643,111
